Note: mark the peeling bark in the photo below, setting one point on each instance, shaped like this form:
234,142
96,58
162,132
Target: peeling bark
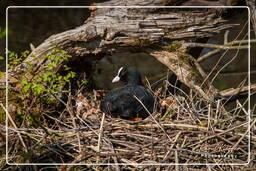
188,72
111,30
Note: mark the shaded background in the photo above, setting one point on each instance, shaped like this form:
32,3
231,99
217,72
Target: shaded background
33,26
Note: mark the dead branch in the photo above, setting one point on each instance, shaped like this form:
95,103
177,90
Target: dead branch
235,91
224,46
111,30
186,69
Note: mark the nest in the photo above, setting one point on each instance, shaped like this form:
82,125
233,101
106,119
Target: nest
183,131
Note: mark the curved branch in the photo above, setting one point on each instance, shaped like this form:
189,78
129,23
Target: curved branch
187,71
111,30
222,47
229,44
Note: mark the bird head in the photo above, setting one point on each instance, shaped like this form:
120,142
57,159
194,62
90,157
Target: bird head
128,75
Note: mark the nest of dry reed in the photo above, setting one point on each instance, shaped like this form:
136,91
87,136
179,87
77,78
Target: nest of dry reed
186,130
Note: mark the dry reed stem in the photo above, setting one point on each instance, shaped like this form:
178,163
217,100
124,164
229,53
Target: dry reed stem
100,134
13,123
158,124
140,142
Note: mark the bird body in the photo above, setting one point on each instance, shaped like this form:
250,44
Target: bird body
126,101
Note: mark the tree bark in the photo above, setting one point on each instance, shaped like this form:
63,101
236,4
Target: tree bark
111,30
188,72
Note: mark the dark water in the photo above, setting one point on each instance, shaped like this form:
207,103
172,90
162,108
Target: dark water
147,65
236,61
237,69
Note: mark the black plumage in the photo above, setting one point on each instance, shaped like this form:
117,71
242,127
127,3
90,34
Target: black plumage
122,103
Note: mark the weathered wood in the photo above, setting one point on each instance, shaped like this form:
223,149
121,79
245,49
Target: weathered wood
188,72
234,91
119,29
111,30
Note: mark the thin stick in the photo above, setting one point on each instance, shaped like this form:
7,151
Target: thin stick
153,118
222,47
15,126
242,137
100,134
176,160
213,52
114,157
209,117
175,140
71,112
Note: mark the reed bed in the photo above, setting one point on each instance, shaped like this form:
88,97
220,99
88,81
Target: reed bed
183,129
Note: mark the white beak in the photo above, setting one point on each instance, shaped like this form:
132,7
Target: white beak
116,79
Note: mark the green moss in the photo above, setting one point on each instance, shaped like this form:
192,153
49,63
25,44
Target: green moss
184,57
174,47
143,43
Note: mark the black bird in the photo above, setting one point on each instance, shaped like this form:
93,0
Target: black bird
122,103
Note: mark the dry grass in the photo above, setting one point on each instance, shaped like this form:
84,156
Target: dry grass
185,131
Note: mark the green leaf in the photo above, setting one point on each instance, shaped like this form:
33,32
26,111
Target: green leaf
38,89
26,87
24,82
1,74
25,53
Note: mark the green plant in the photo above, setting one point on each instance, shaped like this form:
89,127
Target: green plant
1,73
48,81
36,92
3,32
14,59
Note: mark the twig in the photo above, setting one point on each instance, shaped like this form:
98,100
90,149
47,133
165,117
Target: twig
71,112
153,118
175,140
213,52
114,157
222,47
14,125
223,132
176,160
226,64
226,37
100,134
209,117
233,91
243,136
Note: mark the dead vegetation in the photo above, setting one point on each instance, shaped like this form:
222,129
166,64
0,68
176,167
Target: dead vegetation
186,130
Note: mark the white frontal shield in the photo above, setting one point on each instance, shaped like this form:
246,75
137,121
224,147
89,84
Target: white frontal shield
116,79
